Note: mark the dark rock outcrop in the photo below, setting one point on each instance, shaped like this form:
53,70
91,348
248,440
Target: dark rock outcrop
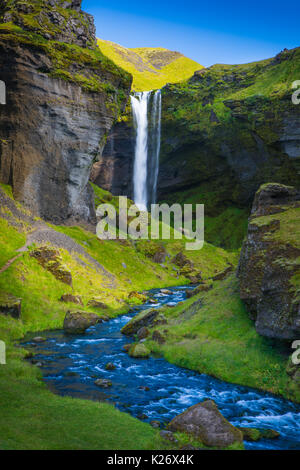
61,103
205,423
269,266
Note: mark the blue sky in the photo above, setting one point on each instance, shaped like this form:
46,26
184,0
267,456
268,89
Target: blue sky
209,32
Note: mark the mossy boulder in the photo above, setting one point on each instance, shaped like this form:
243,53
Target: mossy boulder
205,423
143,319
139,350
253,434
77,322
10,305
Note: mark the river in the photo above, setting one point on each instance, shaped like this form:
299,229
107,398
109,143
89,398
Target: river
71,364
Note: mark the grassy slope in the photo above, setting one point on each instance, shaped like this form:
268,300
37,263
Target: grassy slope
145,75
219,339
48,421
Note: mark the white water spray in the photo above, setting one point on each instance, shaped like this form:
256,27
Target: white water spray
139,104
147,147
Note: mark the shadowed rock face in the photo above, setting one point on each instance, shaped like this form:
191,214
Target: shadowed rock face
52,130
114,170
269,264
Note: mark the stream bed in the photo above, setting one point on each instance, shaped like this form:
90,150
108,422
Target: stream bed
71,364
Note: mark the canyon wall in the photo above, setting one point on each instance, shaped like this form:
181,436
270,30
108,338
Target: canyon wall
63,97
225,131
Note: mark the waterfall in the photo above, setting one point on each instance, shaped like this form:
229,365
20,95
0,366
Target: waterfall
154,146
146,110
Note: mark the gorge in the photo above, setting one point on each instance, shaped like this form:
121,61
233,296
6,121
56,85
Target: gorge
80,128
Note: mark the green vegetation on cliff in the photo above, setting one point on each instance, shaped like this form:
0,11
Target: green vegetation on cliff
151,68
226,131
52,30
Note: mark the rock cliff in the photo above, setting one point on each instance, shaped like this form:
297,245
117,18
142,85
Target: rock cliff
63,96
225,131
269,268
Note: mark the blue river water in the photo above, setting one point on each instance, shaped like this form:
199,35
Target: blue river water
71,364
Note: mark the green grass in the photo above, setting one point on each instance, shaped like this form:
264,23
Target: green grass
10,240
139,62
218,338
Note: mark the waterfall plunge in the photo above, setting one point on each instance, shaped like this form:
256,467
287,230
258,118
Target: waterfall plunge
146,109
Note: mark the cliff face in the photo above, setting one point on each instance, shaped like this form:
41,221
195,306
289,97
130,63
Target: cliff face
63,96
269,269
225,132
230,129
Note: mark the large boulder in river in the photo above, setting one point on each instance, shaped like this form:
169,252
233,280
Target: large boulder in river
78,321
139,350
269,267
143,319
205,423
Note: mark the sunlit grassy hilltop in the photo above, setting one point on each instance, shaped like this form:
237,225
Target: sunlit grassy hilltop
151,67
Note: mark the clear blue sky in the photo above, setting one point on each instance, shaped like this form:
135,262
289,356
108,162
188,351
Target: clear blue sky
209,32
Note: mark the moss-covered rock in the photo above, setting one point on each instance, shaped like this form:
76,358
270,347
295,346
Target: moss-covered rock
143,319
51,260
77,322
139,350
253,434
10,305
205,423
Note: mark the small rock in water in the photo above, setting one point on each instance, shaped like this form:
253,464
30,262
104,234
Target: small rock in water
205,422
155,424
110,366
39,339
145,388
104,383
126,347
166,291
142,416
